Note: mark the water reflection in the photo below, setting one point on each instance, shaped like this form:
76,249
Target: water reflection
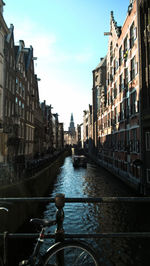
96,218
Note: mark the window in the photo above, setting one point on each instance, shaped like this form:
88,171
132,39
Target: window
16,107
115,90
111,74
108,98
114,66
12,109
115,115
133,68
125,49
121,86
133,35
127,139
127,107
121,111
22,109
133,140
108,78
23,92
126,78
108,120
111,53
17,83
120,56
147,138
133,103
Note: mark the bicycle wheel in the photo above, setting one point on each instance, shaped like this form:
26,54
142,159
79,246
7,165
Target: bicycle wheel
71,253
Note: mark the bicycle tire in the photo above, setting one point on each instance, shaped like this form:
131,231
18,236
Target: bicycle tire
85,254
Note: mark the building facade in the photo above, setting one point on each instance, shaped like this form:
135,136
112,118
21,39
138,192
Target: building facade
143,11
88,130
98,101
118,110
27,128
3,32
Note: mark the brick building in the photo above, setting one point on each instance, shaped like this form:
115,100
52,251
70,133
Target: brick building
118,122
144,86
22,121
98,101
3,32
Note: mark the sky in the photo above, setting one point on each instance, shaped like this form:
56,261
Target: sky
68,40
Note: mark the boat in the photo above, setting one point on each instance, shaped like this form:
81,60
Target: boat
79,161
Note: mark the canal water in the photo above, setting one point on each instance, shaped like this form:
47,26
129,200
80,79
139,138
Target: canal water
95,181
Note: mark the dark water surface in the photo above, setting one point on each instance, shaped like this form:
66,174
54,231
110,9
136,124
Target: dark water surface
96,218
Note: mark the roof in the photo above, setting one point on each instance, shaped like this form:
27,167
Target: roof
102,63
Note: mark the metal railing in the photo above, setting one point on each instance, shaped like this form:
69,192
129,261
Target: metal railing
59,235
80,200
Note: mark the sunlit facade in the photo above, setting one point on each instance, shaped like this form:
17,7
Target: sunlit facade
118,123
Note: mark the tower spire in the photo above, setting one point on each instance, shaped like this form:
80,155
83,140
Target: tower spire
71,128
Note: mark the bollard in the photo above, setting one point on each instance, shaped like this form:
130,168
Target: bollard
59,233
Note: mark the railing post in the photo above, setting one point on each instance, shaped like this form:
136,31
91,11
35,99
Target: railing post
5,248
59,234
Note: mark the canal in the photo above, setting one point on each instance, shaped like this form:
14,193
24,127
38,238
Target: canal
95,181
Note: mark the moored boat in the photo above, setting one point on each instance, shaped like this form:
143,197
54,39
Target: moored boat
79,161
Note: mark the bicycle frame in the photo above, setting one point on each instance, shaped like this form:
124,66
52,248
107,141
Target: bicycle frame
59,234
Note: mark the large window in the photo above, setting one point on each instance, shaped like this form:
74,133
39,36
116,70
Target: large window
132,35
133,68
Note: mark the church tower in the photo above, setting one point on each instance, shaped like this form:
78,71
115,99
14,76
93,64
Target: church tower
71,128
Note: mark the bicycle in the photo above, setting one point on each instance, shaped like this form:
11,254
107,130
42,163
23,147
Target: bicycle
63,252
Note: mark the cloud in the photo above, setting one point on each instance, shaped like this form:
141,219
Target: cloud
41,41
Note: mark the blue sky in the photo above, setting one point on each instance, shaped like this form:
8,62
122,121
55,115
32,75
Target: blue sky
68,39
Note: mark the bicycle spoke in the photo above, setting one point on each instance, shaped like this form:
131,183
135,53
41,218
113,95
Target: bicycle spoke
74,255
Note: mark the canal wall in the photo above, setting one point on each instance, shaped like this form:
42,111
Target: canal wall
35,186
122,175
